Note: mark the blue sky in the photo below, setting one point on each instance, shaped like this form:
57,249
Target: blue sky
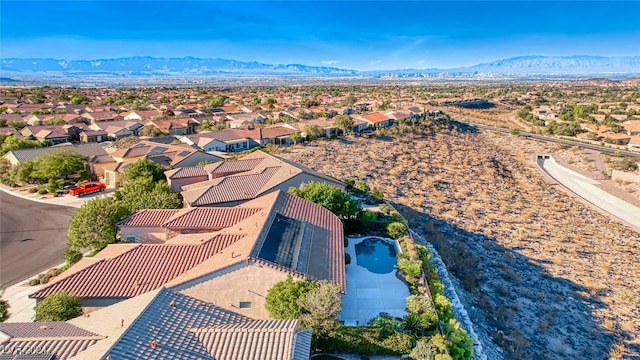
354,34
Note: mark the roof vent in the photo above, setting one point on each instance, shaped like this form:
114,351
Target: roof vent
172,303
43,327
154,345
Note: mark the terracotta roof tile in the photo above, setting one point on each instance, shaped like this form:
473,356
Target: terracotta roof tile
231,188
176,326
153,217
62,349
209,218
143,268
229,167
44,330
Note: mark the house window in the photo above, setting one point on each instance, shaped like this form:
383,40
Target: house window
131,239
245,305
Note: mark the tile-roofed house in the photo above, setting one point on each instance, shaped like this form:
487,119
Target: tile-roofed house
87,150
54,133
57,340
134,271
244,179
230,189
229,140
99,116
294,237
138,115
175,326
169,155
118,129
180,126
376,119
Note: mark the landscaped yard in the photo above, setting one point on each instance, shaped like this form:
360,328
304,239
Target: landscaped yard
369,293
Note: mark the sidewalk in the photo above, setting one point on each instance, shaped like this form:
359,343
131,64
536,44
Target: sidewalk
65,200
20,306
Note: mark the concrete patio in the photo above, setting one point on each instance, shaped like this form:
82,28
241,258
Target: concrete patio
369,294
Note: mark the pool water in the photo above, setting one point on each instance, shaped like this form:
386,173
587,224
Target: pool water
376,255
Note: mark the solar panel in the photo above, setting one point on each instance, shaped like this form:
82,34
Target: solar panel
158,150
184,153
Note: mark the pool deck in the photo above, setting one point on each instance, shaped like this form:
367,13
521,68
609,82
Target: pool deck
369,294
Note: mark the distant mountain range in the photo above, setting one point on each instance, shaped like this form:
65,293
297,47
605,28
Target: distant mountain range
191,66
163,66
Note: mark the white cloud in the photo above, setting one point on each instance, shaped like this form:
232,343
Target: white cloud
329,62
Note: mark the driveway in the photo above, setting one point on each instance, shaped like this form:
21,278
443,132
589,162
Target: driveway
33,237
586,188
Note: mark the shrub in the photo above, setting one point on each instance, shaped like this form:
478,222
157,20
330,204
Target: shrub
42,191
44,278
460,343
347,259
409,267
33,190
443,307
399,343
282,299
361,187
396,230
386,208
72,255
377,196
58,307
34,282
4,310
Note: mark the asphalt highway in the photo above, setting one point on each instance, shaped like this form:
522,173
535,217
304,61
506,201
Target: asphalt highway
33,237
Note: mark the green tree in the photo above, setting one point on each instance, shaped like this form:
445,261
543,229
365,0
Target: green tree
12,143
58,164
321,306
145,193
143,168
217,101
314,131
296,137
332,198
58,307
282,298
344,123
94,224
4,310
78,99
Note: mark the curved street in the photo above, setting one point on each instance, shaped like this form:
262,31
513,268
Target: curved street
33,237
586,188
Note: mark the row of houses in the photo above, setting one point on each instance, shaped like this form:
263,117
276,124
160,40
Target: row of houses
630,136
191,282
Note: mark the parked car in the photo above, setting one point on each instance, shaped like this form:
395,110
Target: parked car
87,188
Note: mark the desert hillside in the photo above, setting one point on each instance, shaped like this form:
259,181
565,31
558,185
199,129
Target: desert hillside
543,275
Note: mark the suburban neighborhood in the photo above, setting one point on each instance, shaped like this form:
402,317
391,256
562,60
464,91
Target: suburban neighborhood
208,228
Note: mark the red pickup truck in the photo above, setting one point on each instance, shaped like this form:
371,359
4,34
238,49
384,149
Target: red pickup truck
87,188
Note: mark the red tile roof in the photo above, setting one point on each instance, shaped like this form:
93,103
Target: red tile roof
230,167
376,117
209,218
154,217
231,188
143,268
187,172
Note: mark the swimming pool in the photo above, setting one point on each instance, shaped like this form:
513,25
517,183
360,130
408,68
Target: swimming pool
376,255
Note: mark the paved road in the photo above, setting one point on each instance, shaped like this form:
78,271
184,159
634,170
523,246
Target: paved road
33,237
586,189
604,149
